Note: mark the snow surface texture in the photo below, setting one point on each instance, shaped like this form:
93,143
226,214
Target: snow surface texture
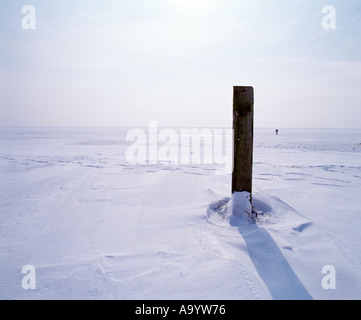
96,227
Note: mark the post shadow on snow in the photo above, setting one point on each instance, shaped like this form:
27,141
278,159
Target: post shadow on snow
271,265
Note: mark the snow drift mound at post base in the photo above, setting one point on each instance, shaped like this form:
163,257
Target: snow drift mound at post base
236,211
265,210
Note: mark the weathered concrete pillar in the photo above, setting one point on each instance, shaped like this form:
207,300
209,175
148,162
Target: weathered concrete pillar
243,115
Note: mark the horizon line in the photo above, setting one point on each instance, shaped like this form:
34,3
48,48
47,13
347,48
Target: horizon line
178,126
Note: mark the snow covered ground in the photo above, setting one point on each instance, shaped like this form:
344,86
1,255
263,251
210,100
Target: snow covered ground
95,226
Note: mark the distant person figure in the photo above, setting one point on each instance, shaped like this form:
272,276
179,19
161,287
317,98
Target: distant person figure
276,132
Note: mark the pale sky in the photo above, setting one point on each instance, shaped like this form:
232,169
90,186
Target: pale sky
128,62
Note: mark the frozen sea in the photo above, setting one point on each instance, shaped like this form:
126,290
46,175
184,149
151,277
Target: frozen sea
95,225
